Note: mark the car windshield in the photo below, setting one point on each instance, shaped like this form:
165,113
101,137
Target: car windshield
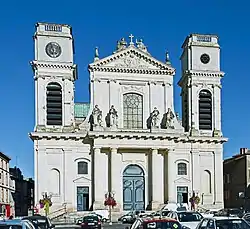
162,225
4,226
189,216
232,224
90,218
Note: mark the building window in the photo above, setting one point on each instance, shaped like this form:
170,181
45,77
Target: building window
132,111
182,168
205,110
82,167
54,104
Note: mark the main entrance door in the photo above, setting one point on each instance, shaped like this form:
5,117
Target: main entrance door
82,198
133,188
182,194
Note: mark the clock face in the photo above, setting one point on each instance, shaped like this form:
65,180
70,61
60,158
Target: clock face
205,58
53,49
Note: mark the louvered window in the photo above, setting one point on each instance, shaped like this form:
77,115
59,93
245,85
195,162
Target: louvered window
54,104
205,110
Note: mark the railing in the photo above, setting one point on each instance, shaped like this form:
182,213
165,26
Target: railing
58,212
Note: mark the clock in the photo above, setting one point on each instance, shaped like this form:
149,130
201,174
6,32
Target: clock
205,58
53,49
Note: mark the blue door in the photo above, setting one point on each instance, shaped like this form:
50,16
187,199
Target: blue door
82,198
133,188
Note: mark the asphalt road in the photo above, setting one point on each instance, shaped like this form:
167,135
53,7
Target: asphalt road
106,226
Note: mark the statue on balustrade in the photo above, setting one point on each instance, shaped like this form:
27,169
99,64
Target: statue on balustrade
97,116
169,119
155,118
113,117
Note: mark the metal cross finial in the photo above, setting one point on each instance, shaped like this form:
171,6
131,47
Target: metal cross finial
131,39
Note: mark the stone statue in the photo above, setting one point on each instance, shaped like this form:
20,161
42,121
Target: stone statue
141,46
113,116
155,118
169,118
122,44
97,116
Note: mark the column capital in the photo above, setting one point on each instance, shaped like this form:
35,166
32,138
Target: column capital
154,149
97,148
170,151
195,151
113,149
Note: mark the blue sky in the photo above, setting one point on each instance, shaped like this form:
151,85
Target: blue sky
162,24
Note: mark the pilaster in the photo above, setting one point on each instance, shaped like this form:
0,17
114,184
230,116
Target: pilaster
171,170
157,179
116,177
100,178
218,178
195,169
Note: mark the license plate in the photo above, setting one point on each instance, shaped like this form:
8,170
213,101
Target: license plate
91,224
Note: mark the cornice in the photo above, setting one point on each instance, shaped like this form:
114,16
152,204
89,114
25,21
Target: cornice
130,70
156,136
38,64
57,136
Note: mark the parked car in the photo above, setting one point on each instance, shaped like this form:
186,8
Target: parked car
188,219
91,221
231,212
128,218
152,223
42,222
16,224
223,223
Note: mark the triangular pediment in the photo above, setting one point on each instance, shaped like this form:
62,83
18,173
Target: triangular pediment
131,58
182,180
81,179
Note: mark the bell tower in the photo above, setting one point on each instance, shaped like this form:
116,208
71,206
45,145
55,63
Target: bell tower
201,85
54,75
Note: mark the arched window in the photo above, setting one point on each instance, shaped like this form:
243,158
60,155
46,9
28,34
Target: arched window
182,168
54,181
54,104
82,167
132,111
207,182
205,110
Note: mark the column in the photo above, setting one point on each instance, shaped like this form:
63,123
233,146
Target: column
195,166
100,178
218,178
171,177
116,176
157,179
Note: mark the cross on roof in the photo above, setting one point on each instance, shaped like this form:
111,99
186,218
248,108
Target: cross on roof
131,39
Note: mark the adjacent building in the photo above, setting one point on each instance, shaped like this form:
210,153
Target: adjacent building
128,140
7,187
237,180
24,192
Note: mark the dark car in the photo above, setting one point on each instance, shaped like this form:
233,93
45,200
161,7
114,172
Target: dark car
230,212
40,221
91,221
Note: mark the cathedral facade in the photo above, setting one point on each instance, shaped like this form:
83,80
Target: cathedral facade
128,140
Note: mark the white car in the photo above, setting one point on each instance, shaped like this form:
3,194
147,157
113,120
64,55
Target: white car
188,219
223,223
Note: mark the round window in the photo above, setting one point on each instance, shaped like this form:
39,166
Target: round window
205,58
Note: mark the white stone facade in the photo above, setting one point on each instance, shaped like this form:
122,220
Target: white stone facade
140,134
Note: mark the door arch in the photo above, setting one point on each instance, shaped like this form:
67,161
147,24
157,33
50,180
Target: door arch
133,188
